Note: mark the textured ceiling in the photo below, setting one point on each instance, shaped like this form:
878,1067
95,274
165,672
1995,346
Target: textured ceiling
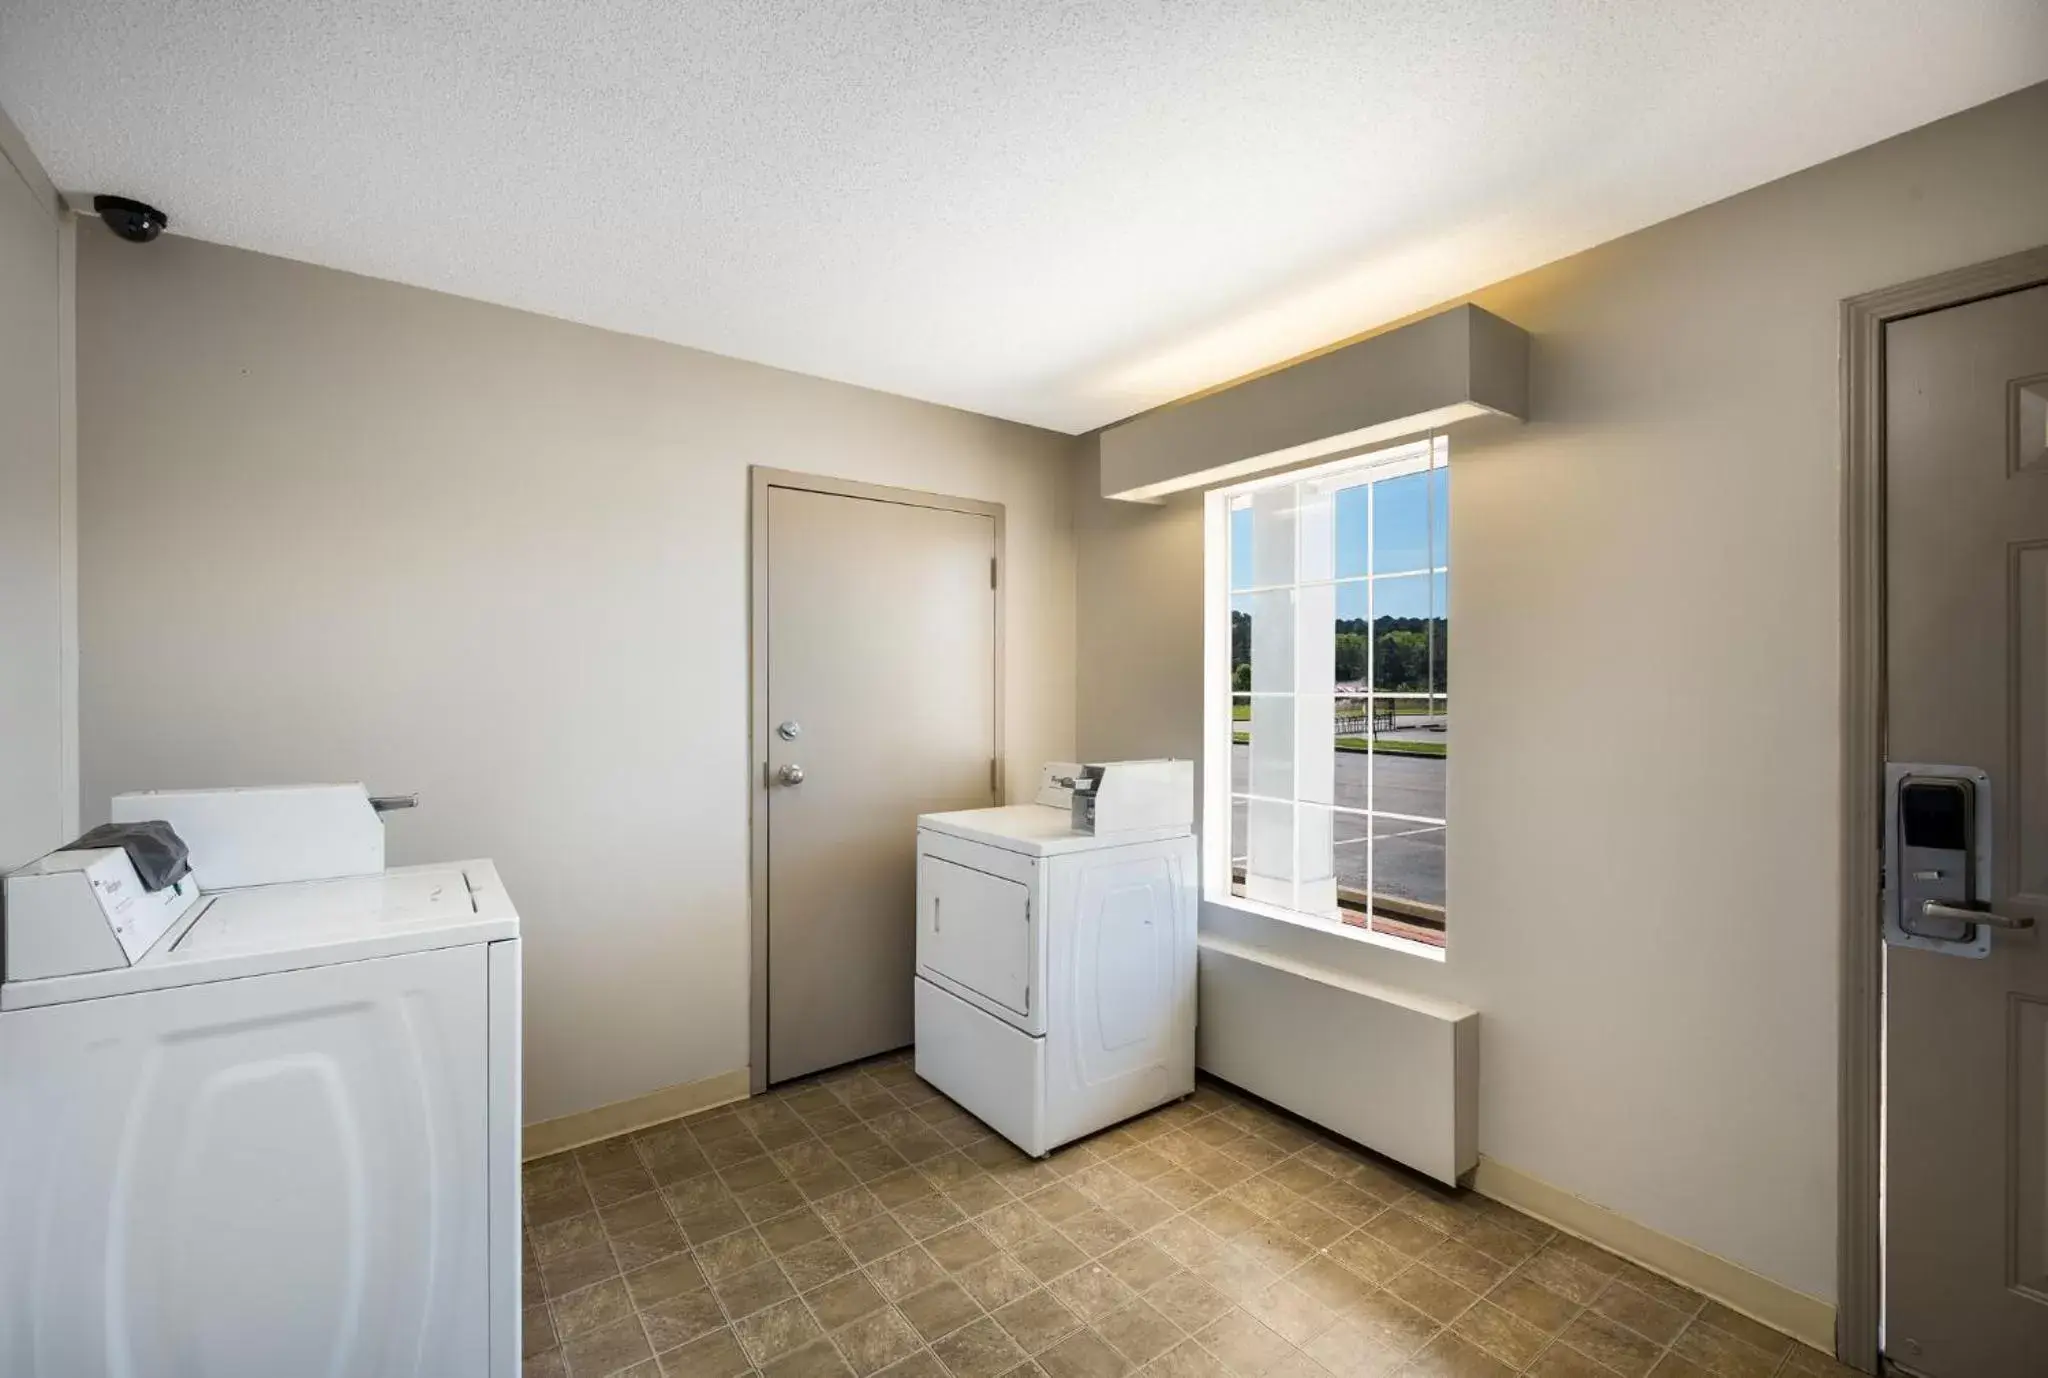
1058,213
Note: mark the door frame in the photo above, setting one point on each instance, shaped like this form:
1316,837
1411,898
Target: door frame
761,480
1859,1260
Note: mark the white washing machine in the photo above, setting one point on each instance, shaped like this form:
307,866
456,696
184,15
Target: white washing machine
1055,989
263,1129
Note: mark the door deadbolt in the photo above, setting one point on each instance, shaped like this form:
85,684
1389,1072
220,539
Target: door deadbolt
789,730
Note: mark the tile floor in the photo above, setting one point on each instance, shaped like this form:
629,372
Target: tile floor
859,1223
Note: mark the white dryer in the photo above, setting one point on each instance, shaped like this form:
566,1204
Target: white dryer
274,1129
1055,989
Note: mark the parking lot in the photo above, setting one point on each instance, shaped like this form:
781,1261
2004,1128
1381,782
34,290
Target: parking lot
1408,855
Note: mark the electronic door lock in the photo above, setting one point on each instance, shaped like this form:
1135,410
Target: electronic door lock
1938,873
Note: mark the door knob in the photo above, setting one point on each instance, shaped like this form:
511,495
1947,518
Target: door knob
791,775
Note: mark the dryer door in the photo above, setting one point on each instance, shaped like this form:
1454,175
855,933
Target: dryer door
975,935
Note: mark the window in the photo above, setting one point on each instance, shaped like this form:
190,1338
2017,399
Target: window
1329,618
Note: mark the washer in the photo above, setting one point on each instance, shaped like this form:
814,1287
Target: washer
283,1139
1055,988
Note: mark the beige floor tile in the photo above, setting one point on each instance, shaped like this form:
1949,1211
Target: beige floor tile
1431,1293
615,1347
1451,1356
1037,1320
1653,1320
649,1245
768,1335
996,1281
1187,1301
536,1330
1562,1361
1186,1240
1393,1322
1091,1291
1620,1349
929,1216
681,1320
1346,1351
1721,1354
844,1299
1083,1354
982,1349
905,1271
1671,1366
1048,1255
873,1239
842,1209
959,1247
1558,1273
815,1360
793,1231
1187,1360
901,1188
939,1309
569,1234
667,1278
1095,1231
1753,1333
593,1308
1246,1346
875,1341
1138,1332
733,1253
574,1271
1369,1257
1468,1267
821,1260
716,1355
756,1289
1513,1341
1139,1264
923,1364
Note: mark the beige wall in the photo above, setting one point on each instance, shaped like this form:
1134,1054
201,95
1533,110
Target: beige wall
335,528
38,758
1644,599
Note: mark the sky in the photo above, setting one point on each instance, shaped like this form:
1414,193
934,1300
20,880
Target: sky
1383,528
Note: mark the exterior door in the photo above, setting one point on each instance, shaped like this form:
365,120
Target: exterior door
881,705
1966,683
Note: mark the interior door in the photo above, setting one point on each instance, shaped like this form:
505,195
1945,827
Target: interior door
1966,608
881,705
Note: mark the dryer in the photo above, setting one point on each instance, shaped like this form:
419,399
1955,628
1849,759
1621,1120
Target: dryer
1055,987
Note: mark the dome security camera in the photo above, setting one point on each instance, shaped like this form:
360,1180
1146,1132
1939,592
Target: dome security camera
134,221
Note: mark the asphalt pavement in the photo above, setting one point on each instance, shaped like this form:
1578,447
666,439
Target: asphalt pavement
1407,850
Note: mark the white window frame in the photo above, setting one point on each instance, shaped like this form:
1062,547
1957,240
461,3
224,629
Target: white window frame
1218,698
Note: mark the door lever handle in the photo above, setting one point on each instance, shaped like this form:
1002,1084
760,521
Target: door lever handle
1935,909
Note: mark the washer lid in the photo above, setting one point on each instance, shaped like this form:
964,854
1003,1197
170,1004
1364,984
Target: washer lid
271,928
319,913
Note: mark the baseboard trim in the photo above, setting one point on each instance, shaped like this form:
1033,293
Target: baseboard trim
1809,1320
623,1117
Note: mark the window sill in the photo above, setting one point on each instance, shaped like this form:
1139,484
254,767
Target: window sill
1405,946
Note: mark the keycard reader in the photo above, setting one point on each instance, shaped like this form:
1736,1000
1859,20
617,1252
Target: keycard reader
1938,875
